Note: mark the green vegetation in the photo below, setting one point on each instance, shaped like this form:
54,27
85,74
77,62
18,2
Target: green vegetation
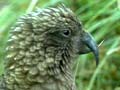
99,17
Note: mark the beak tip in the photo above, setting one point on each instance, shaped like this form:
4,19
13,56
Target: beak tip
96,54
97,61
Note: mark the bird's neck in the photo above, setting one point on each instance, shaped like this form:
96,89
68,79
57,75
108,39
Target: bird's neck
46,65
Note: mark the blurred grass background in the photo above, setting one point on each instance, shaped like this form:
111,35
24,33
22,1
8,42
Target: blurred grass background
99,17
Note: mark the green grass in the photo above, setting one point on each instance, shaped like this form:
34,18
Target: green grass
101,18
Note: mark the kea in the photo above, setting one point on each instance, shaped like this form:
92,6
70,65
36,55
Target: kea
42,48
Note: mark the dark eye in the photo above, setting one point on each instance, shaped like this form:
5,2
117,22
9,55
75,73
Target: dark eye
66,33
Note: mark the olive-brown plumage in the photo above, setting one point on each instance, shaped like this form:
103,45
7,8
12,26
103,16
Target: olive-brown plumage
42,48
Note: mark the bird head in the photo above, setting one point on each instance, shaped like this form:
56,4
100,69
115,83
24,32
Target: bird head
62,30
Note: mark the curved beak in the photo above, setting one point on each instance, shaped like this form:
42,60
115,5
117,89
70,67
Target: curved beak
89,45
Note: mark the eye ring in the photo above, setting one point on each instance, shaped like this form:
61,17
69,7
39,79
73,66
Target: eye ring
66,33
